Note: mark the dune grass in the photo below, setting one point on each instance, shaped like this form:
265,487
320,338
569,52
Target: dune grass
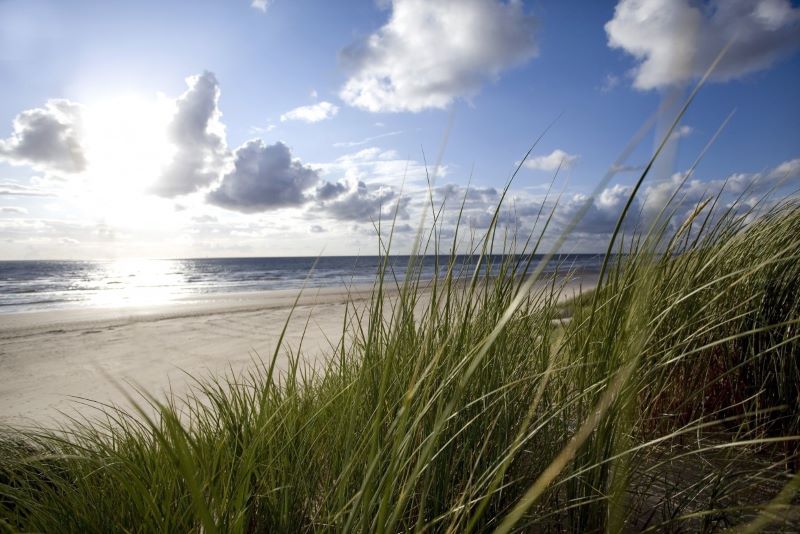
466,403
669,400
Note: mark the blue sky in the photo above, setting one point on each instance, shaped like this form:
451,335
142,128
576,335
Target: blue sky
207,128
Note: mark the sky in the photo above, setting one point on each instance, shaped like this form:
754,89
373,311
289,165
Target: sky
164,129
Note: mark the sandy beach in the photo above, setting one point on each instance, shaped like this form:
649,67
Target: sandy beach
50,358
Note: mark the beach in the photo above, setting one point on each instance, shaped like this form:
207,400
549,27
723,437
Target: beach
48,358
51,360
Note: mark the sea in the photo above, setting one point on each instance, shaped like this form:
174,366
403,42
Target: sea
27,286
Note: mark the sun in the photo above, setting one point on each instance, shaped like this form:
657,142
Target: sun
126,141
127,147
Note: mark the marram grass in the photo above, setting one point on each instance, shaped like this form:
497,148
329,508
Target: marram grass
669,401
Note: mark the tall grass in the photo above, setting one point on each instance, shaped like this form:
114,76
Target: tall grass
465,403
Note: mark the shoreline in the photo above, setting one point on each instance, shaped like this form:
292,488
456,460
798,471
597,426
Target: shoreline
22,323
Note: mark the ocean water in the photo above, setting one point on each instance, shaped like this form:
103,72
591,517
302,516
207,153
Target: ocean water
47,285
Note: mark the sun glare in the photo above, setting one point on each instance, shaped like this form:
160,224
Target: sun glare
126,141
127,149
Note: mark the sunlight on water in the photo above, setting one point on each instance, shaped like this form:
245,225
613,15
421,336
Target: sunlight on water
134,282
40,285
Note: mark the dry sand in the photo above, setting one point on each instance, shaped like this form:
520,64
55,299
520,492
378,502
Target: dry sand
49,358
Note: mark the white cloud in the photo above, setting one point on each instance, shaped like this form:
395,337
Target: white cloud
506,218
552,161
684,195
759,182
267,177
676,40
476,206
262,129
656,195
13,209
680,132
261,5
353,200
365,185
199,139
609,83
787,169
603,211
480,197
13,189
264,177
312,113
376,166
625,168
351,144
694,190
123,146
47,138
330,190
430,53
44,233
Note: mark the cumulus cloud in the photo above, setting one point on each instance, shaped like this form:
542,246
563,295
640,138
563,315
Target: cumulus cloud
47,138
330,190
552,161
656,195
267,177
602,212
471,197
506,217
198,137
599,214
674,41
694,190
477,206
684,195
264,177
312,113
787,169
430,53
787,172
354,200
